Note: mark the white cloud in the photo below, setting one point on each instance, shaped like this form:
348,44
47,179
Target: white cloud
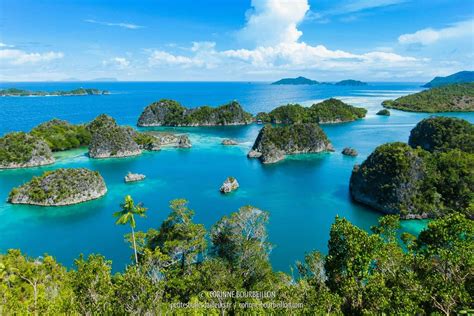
429,36
274,21
361,5
163,58
119,24
5,45
19,57
118,62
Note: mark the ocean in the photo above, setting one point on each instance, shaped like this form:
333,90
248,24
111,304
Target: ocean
302,194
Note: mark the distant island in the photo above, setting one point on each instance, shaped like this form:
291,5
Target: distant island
459,77
295,81
351,82
14,92
447,98
325,112
305,81
171,113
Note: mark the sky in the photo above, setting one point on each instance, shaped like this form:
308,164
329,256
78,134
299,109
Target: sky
235,40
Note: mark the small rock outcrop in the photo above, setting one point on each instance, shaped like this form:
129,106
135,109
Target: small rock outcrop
274,143
229,142
60,187
171,113
22,150
111,140
230,184
348,151
383,112
134,177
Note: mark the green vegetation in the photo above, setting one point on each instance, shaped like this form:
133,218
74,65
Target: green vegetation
350,82
181,262
459,77
61,135
442,134
60,187
328,111
295,81
110,139
171,113
292,136
432,178
21,148
127,216
384,112
24,93
448,98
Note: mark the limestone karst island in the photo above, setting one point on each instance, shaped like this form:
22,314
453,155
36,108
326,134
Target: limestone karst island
259,157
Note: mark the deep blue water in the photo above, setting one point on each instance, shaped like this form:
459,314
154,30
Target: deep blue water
303,194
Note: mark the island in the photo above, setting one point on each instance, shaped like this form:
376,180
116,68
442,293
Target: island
14,92
459,77
134,177
109,140
62,135
407,180
60,187
305,81
351,82
383,112
171,113
22,150
447,98
349,151
295,81
165,139
273,143
230,184
439,133
326,112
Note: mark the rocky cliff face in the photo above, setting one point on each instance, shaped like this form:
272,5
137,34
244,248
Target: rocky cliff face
171,113
274,143
60,187
111,140
22,150
391,181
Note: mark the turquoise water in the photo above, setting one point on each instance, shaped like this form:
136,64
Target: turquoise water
303,193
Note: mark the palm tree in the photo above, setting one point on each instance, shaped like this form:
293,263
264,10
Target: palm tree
127,215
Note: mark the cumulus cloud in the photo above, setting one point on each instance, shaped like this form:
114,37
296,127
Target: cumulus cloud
272,22
20,57
130,26
272,28
429,36
118,62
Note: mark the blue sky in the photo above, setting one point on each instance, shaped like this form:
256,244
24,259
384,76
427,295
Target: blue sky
372,40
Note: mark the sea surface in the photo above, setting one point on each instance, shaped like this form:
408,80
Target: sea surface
303,194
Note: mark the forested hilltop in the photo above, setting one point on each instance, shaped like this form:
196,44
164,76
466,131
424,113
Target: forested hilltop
328,111
446,98
180,267
14,92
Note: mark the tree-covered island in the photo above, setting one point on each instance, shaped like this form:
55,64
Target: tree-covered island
14,92
446,98
325,112
171,113
22,150
60,187
432,176
273,143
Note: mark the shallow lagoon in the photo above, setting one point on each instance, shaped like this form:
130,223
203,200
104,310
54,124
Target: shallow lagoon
303,194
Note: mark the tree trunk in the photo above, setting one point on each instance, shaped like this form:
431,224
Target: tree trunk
134,246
